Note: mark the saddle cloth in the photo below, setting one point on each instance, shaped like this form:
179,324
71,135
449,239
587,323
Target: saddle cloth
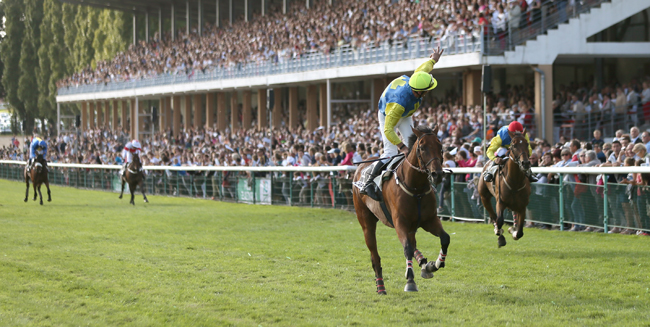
388,169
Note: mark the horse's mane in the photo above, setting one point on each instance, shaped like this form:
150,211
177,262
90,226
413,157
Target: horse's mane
413,138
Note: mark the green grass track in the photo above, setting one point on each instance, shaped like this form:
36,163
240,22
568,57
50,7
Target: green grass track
88,258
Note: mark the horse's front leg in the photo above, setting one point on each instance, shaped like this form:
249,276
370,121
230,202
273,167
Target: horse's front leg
27,189
49,196
517,230
35,191
40,195
142,186
408,242
122,191
498,227
132,189
434,226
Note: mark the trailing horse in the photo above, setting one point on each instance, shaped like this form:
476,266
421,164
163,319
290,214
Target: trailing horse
410,201
510,188
38,176
134,176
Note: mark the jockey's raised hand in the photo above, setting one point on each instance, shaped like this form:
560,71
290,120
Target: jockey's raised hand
436,54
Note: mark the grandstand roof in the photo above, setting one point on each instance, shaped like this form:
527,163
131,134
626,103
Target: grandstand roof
151,6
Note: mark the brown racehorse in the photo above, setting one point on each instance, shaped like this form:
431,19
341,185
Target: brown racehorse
134,176
510,188
411,202
38,176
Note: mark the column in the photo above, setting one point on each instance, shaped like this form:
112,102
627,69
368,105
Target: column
168,113
261,107
200,18
100,115
115,124
58,119
284,7
146,26
187,113
323,104
187,17
246,11
379,85
135,29
124,117
246,110
234,112
277,108
293,107
209,110
84,116
198,112
160,24
176,105
222,124
91,115
230,11
312,103
107,113
472,88
329,104
218,19
134,119
263,7
162,109
142,108
544,116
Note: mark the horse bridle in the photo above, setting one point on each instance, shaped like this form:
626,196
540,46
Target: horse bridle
516,159
418,155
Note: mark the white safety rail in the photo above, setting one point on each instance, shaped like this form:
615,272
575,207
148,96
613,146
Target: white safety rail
544,170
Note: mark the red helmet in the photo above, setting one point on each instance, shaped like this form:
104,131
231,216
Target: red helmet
515,126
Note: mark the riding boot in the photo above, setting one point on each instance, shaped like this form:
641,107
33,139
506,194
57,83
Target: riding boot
370,189
488,176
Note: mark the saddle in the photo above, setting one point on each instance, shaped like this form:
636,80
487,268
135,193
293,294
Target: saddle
385,174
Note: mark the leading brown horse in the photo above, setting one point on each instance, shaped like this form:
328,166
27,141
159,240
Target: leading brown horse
134,175
411,202
38,176
510,188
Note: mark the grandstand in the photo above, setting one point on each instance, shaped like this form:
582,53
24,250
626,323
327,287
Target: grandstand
592,40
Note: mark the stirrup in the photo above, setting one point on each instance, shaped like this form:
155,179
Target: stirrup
488,177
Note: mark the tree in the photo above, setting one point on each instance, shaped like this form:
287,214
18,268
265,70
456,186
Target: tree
45,105
57,52
28,63
11,49
82,50
70,35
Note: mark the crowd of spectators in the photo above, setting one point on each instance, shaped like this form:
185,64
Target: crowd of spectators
277,37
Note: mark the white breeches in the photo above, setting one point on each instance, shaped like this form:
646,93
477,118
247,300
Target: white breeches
404,126
502,151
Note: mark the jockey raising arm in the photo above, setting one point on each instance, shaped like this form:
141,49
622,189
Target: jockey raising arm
400,100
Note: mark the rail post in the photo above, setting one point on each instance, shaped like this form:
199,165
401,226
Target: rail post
311,191
453,205
561,201
253,173
605,206
290,177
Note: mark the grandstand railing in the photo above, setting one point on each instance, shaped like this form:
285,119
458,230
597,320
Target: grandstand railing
410,48
567,202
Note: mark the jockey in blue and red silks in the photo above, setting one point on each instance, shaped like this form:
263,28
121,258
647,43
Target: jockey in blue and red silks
498,148
38,146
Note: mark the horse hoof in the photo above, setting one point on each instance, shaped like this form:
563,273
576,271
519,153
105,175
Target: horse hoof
25,199
509,230
41,203
381,292
431,267
146,201
49,200
410,287
502,241
120,197
426,274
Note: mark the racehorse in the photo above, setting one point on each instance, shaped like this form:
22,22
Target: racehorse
38,176
411,203
511,189
134,176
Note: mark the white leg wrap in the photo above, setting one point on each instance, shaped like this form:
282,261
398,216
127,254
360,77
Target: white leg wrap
440,260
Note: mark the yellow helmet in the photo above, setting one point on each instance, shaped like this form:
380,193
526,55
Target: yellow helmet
421,81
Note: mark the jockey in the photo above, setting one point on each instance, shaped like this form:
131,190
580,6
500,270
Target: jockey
498,148
39,145
129,149
400,100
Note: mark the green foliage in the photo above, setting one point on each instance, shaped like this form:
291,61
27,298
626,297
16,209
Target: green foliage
28,83
57,50
11,49
45,105
108,39
70,35
82,50
88,258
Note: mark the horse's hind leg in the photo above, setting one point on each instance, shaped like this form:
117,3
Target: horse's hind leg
434,227
368,223
408,242
35,191
122,191
40,195
132,189
47,185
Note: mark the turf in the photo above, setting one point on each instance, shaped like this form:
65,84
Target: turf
88,258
